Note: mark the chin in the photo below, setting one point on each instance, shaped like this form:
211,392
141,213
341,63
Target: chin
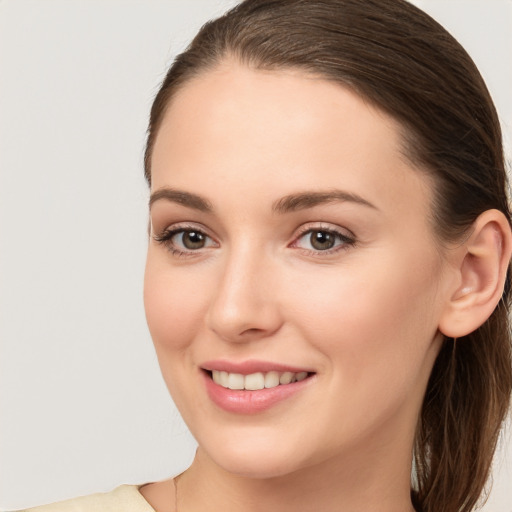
257,466
250,453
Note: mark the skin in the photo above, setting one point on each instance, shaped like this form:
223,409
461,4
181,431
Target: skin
364,316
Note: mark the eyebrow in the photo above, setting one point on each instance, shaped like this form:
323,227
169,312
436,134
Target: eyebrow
309,199
184,198
290,203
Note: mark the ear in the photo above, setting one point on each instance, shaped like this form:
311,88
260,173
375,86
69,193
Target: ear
481,264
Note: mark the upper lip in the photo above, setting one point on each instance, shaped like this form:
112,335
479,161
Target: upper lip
251,366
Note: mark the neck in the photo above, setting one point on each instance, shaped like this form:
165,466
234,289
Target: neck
349,485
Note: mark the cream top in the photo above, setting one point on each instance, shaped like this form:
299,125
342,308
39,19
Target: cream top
125,498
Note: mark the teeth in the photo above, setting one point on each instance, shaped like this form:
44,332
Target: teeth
256,381
235,381
224,379
271,379
221,378
286,378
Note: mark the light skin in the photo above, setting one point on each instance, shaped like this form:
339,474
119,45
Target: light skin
259,163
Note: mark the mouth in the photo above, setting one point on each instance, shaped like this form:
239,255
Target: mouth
253,391
256,381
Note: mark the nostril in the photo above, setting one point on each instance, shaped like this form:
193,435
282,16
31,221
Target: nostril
252,330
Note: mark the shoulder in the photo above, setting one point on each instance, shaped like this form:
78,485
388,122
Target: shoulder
125,498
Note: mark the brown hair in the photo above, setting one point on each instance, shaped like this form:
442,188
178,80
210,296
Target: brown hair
405,63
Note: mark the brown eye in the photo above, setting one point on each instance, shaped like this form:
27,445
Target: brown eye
185,240
191,240
322,240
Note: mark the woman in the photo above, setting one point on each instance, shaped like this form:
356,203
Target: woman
327,274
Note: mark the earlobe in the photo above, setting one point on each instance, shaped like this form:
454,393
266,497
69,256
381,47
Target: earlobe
482,264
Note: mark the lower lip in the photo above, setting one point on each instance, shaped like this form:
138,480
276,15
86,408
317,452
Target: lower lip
251,402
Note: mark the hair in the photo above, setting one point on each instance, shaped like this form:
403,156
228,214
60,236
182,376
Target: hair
403,62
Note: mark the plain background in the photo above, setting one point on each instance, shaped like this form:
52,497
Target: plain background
83,406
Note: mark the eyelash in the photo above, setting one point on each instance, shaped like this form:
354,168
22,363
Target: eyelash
346,241
165,238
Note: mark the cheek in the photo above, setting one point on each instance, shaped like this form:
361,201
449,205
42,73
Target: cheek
174,307
379,316
377,337
174,304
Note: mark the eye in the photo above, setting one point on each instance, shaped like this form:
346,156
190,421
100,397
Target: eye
190,240
323,240
181,240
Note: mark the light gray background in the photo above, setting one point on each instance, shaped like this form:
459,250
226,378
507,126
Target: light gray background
83,406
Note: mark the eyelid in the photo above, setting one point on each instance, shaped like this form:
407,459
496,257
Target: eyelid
324,226
182,226
345,235
165,236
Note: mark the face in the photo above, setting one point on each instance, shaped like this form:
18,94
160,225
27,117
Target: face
290,240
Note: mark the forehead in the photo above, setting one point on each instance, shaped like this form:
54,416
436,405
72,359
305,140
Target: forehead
273,130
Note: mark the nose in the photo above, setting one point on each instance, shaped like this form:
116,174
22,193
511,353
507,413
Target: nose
244,305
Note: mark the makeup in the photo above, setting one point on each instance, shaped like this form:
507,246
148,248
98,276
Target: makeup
252,387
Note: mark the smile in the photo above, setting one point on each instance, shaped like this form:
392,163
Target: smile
253,391
256,381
